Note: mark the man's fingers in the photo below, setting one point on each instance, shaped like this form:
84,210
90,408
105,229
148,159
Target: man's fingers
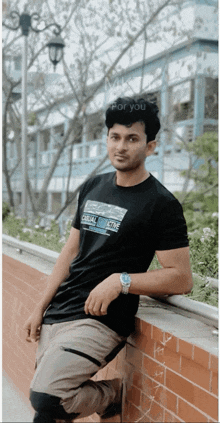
104,309
33,334
93,307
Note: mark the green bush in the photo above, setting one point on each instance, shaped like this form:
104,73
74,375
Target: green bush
5,210
203,239
48,237
203,242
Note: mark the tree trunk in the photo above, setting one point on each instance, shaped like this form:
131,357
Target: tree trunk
4,139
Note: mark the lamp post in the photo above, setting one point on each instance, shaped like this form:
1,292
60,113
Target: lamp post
56,45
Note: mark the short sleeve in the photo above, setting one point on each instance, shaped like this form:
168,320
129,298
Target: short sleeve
76,219
171,229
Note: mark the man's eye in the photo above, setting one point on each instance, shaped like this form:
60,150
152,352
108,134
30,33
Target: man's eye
132,139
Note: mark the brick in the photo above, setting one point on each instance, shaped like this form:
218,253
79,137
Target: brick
153,369
121,360
214,383
138,324
185,349
170,341
145,402
23,384
27,301
195,373
12,290
134,356
157,334
147,345
189,413
201,357
134,395
152,389
138,379
180,386
6,299
23,286
15,267
167,357
196,396
128,371
151,409
146,329
214,363
132,414
169,400
171,418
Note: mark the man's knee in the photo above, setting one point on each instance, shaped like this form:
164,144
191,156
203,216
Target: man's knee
43,402
46,403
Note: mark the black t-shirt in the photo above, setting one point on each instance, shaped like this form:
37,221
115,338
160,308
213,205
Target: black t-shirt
120,230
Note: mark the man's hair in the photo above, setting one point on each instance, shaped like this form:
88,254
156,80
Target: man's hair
126,111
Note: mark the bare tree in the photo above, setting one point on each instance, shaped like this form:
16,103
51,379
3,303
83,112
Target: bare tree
101,39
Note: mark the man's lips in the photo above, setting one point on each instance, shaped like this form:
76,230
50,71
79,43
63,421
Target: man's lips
121,157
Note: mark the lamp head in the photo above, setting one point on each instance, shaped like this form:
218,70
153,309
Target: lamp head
56,46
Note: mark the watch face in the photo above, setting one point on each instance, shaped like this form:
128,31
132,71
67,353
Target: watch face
126,278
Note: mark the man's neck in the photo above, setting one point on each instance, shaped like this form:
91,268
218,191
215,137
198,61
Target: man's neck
127,179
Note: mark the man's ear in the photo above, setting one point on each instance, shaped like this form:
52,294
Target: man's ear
151,145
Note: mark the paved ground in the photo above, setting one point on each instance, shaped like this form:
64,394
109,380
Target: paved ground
15,407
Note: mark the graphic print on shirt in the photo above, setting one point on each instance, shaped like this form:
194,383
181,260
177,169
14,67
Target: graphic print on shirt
102,218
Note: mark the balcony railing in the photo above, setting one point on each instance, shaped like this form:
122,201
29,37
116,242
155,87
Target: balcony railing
80,153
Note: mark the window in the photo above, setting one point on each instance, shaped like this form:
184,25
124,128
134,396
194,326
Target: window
188,135
210,128
181,103
211,98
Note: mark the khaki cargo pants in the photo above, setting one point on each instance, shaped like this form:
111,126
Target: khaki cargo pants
68,355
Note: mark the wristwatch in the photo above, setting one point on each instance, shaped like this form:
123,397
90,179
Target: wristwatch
125,280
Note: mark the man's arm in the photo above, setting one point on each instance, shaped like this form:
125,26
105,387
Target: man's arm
174,278
59,274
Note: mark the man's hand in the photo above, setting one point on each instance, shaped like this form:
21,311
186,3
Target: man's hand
33,326
102,295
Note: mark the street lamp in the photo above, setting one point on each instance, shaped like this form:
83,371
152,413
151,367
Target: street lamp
56,45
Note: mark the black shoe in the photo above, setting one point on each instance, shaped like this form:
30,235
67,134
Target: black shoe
117,406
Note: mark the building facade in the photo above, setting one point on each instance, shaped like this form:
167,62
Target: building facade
182,80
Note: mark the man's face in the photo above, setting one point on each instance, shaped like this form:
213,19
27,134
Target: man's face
128,147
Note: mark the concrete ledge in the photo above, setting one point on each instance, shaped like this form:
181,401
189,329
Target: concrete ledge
209,313
32,249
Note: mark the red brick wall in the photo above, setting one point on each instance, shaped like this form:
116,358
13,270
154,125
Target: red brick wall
169,379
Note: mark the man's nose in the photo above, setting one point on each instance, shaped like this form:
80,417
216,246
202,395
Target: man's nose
122,145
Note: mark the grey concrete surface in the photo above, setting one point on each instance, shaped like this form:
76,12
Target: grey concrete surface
15,407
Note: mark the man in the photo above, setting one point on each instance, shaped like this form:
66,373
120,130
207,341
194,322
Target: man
91,297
